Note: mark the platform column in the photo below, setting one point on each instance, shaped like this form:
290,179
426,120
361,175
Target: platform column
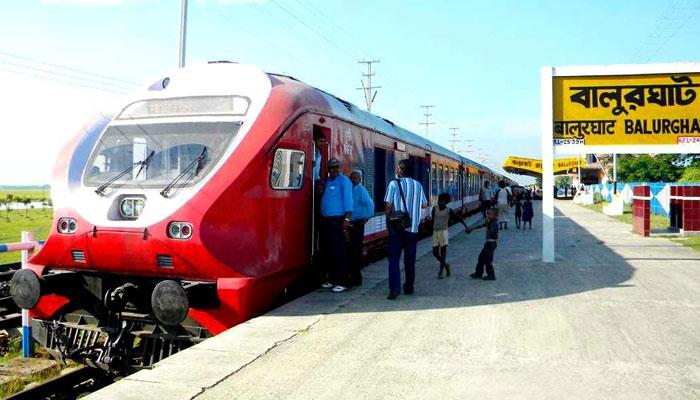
546,118
27,341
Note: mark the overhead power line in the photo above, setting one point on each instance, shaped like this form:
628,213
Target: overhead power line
68,68
63,75
61,81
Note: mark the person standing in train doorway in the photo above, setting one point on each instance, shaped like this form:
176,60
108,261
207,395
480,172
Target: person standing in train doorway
362,210
406,195
336,208
485,198
320,260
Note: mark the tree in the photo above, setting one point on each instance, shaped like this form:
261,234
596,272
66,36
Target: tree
564,180
691,174
646,168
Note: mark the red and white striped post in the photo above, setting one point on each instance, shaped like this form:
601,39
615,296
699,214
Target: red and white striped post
27,341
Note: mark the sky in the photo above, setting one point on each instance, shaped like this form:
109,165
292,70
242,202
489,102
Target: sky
478,63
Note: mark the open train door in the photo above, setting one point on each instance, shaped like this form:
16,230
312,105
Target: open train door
325,133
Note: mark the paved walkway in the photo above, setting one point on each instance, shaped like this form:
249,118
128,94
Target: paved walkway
616,317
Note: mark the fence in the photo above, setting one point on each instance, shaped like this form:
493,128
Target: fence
660,194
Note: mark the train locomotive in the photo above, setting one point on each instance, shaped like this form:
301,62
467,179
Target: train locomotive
190,209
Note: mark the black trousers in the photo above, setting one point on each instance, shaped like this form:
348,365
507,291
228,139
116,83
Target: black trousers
486,259
485,204
335,249
357,238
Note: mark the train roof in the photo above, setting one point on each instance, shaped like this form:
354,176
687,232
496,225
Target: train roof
351,112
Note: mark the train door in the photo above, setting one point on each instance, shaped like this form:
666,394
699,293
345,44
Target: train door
320,150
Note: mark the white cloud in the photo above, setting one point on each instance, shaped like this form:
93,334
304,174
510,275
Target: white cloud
84,2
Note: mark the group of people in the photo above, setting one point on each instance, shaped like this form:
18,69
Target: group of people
504,199
345,206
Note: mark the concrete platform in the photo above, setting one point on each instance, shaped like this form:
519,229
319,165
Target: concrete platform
616,317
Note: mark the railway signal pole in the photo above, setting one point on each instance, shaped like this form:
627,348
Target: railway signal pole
454,139
183,34
427,115
367,89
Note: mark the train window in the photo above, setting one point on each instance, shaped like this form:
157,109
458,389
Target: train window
170,150
287,169
434,183
440,180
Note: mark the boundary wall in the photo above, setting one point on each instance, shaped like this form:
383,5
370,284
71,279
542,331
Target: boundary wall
660,192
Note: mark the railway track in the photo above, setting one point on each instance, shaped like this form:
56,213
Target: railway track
67,386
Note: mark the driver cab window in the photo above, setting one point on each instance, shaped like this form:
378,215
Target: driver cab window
287,169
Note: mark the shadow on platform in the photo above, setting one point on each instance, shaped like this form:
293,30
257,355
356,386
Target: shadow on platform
583,263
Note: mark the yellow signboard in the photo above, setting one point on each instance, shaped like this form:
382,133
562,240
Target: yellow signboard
658,109
529,166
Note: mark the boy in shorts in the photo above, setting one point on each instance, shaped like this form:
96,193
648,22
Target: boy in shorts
441,217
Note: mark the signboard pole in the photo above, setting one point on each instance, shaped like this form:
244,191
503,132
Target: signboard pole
546,118
578,169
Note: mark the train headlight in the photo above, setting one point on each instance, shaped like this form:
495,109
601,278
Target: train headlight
67,226
180,230
131,207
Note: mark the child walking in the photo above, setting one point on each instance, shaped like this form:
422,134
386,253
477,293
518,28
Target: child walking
518,210
527,211
441,217
486,255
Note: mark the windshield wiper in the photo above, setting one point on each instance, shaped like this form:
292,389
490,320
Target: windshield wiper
144,165
197,161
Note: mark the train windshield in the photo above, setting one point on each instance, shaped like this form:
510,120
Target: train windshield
174,147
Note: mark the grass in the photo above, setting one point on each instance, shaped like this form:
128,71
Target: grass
26,194
657,221
690,241
14,222
17,384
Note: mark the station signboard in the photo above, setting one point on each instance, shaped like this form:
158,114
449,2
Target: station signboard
596,113
529,166
644,108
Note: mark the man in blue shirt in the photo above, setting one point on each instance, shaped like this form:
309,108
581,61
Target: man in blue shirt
336,208
362,210
404,239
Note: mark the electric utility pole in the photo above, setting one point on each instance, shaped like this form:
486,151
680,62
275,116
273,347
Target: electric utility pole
183,34
367,89
427,115
453,139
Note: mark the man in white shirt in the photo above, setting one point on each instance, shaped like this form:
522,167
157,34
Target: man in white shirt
408,191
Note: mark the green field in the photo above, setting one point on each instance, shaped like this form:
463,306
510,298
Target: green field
14,222
32,194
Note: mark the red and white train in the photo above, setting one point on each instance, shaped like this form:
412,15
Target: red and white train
190,209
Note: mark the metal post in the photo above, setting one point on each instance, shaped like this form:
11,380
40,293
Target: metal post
578,160
546,118
614,173
183,34
27,341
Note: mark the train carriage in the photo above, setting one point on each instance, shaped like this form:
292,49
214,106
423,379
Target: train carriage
190,209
